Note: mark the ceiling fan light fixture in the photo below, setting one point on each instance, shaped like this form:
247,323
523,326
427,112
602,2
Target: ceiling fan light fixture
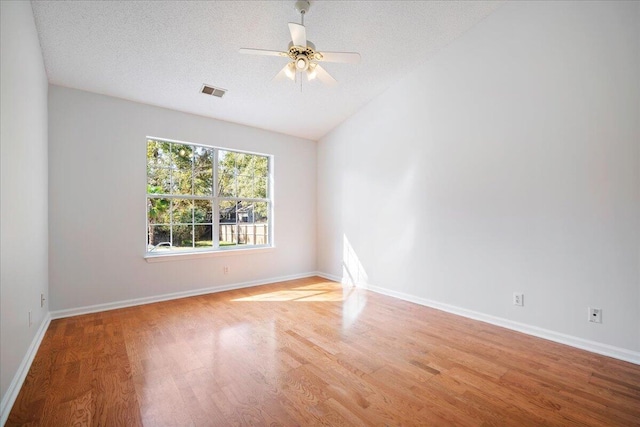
290,71
302,63
311,72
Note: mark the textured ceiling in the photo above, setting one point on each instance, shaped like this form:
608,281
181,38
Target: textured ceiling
161,52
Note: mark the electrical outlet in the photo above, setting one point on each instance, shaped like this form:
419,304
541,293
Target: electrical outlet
42,300
595,315
226,269
30,319
518,299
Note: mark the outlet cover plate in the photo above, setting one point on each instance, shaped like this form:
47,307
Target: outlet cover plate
518,299
595,315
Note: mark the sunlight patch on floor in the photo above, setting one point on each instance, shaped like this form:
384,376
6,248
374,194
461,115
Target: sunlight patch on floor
315,292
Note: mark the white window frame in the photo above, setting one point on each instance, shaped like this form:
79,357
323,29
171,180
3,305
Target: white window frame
215,250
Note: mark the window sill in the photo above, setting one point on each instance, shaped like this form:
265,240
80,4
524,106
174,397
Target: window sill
204,254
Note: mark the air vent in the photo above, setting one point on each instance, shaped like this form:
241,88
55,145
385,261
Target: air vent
214,91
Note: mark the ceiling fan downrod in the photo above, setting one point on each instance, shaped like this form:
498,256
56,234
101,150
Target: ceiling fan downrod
302,6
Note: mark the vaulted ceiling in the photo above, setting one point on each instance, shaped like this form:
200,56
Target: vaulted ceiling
161,52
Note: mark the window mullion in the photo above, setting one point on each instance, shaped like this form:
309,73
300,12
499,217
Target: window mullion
171,223
170,169
270,210
193,170
193,193
215,220
193,224
237,241
171,192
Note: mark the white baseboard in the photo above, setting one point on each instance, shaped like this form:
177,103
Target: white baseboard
18,379
592,346
583,344
328,276
59,314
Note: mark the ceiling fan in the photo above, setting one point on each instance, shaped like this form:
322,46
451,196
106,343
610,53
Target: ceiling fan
303,56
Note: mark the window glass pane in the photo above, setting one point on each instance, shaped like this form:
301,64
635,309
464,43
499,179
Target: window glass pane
202,212
158,211
252,181
261,166
260,189
228,235
252,223
182,211
182,169
260,212
245,186
182,236
181,155
242,161
245,211
226,174
226,183
261,222
228,228
158,153
158,180
203,184
226,160
203,235
158,238
261,232
243,234
203,171
227,212
182,182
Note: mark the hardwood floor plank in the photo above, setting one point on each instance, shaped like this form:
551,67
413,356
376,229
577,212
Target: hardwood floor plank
310,352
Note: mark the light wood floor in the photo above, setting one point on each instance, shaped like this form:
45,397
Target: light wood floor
306,352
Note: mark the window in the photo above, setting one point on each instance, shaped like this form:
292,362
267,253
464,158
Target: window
206,199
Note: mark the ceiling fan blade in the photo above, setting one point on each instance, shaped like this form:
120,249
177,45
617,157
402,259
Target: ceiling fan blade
324,77
298,34
281,75
346,57
263,52
287,72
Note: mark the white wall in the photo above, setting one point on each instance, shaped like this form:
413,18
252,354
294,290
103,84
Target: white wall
23,218
510,161
97,209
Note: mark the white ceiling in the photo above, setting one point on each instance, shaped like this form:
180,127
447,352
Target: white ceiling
161,52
